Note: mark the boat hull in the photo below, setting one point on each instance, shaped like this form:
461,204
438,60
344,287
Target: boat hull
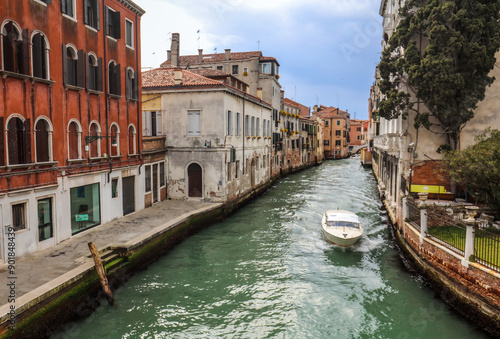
338,235
341,241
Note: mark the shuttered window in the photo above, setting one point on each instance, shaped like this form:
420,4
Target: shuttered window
193,123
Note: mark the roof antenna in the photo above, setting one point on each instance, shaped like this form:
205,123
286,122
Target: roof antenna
198,39
258,45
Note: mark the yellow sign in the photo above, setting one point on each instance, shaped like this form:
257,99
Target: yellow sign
427,189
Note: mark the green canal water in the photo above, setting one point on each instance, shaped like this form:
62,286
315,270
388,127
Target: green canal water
267,272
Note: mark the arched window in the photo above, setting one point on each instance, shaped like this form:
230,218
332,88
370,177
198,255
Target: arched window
131,140
94,72
131,84
73,66
43,141
115,140
19,141
74,140
114,78
95,146
40,56
15,54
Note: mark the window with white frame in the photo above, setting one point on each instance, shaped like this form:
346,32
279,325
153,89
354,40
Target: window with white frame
129,33
74,140
131,87
43,141
91,13
257,127
73,66
114,78
94,72
68,7
15,44
40,56
95,146
132,140
194,123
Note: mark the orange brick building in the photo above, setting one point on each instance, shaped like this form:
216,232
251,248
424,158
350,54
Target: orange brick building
70,117
335,131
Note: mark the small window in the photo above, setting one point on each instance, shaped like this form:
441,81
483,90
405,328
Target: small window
115,140
113,23
253,126
40,56
338,122
219,68
265,68
235,69
338,142
194,123
114,78
95,146
114,188
147,178
247,125
162,174
257,127
91,12
15,48
238,124
338,133
152,123
74,140
129,33
327,142
358,129
42,141
131,140
19,216
229,123
68,7
327,123
131,84
73,66
94,72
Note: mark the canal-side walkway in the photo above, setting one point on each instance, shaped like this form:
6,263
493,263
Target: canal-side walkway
38,273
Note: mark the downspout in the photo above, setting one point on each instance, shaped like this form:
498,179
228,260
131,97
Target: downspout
244,160
106,96
139,99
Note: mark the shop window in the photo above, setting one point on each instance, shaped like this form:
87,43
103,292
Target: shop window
194,123
131,88
91,13
19,141
74,140
114,188
129,33
114,78
85,207
15,48
113,23
45,226
43,141
68,7
131,140
40,56
72,66
94,72
95,146
19,216
147,178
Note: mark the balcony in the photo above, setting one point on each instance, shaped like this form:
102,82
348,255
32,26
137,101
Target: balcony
387,142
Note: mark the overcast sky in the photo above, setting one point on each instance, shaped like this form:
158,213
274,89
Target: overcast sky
327,49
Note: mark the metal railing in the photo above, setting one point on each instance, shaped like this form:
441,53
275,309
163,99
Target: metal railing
487,248
413,213
451,236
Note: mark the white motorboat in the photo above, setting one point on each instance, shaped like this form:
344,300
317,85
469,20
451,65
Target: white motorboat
341,227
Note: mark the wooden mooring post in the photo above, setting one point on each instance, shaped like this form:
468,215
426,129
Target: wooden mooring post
102,273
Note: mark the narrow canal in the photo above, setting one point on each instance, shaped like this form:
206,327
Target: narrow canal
267,272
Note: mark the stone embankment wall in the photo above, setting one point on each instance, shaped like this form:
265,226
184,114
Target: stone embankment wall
472,289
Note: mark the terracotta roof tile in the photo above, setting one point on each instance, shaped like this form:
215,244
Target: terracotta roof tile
185,60
164,77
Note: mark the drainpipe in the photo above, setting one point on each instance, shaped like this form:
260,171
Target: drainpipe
244,136
139,100
106,98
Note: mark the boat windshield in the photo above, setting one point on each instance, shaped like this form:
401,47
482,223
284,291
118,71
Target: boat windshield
338,223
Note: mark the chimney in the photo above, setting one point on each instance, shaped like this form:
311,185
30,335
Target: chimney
177,76
228,54
200,56
169,54
259,93
176,39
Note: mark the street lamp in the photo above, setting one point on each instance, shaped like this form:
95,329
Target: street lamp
91,138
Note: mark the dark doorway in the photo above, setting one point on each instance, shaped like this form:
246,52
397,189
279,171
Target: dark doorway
155,183
195,181
128,195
